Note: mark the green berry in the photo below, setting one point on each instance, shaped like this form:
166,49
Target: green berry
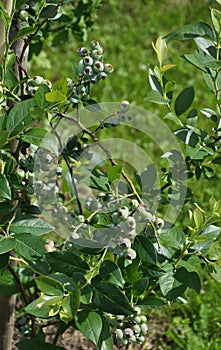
137,319
88,71
140,339
123,212
136,329
98,66
95,45
108,68
96,54
128,332
118,333
124,106
144,328
130,254
137,310
102,76
88,61
82,51
125,242
159,222
143,318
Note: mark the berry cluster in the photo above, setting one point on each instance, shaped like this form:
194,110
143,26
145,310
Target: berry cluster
92,66
128,329
34,83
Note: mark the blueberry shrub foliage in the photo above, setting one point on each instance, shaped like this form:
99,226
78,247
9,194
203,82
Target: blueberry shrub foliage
110,257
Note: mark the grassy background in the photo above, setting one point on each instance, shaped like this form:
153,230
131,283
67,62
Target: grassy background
126,30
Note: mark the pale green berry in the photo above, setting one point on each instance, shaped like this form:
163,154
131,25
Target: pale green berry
81,218
159,222
128,332
140,339
136,329
96,54
122,117
119,333
94,79
98,66
123,212
131,254
131,222
132,339
88,71
137,319
143,318
88,61
135,203
102,76
81,67
125,242
108,68
95,45
38,80
124,106
48,83
82,51
144,328
137,310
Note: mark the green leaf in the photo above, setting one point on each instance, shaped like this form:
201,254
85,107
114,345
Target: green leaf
154,82
156,97
22,33
49,286
145,250
61,85
3,137
191,31
87,246
110,298
34,136
35,308
48,300
90,324
70,305
206,238
174,238
5,191
92,106
184,100
55,97
19,117
6,244
174,285
194,281
140,286
40,96
173,117
28,246
35,344
110,272
114,173
8,285
30,224
66,262
216,274
152,302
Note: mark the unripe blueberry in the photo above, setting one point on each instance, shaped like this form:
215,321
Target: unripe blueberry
144,328
143,318
48,83
82,51
108,68
125,242
81,218
120,319
59,171
122,117
88,71
114,218
131,222
24,15
95,45
81,67
123,212
159,222
98,66
102,76
88,61
136,329
94,80
137,310
124,106
119,333
140,339
130,254
135,203
137,319
38,80
96,54
128,332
